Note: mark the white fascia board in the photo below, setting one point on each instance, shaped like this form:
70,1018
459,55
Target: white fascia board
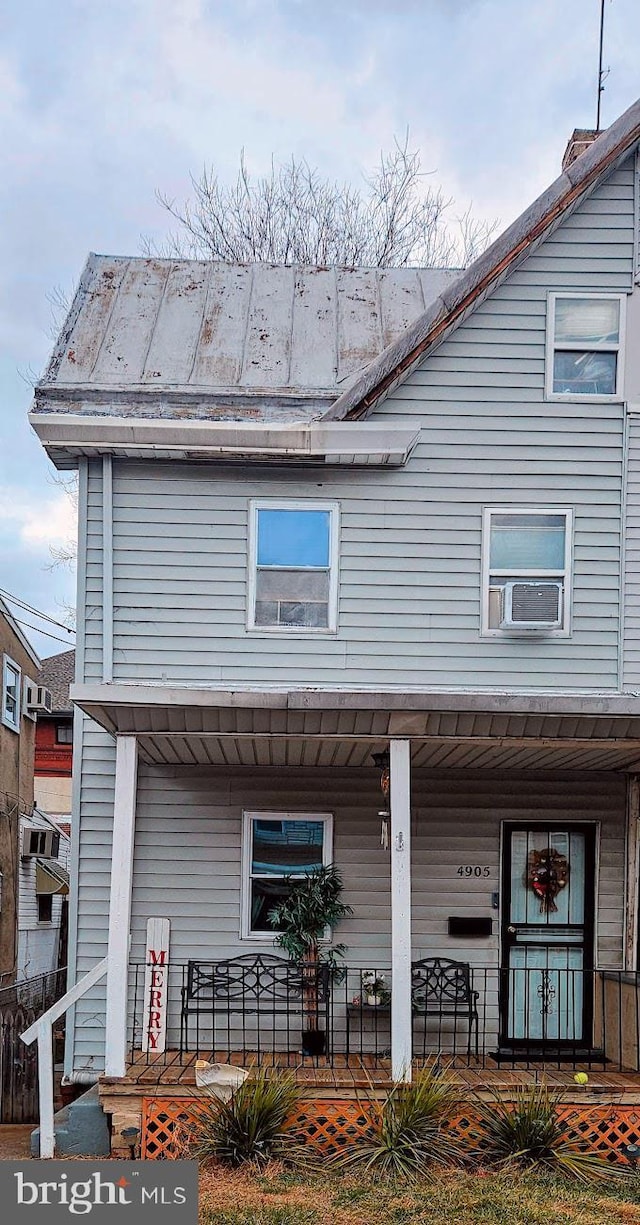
387,443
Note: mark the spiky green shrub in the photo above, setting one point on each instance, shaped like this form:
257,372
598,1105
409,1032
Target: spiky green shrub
408,1129
253,1125
529,1133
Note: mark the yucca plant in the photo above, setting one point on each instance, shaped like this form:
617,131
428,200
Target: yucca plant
253,1124
529,1133
408,1129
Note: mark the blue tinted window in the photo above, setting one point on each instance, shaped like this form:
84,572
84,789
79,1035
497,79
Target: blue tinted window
293,537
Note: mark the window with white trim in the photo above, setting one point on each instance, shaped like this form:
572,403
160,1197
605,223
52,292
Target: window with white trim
11,694
526,570
277,850
293,567
584,346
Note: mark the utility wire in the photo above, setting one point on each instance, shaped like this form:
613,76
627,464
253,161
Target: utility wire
13,599
45,632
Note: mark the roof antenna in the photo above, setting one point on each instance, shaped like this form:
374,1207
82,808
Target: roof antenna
603,73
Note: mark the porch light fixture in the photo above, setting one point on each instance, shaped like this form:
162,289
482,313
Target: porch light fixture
131,1137
382,762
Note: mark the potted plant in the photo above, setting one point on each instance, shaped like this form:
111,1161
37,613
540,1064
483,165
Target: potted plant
313,905
374,989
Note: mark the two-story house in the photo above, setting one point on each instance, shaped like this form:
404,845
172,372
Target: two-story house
327,514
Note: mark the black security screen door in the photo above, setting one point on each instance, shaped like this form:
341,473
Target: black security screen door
547,935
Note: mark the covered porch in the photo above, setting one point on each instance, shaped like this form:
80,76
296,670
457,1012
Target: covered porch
470,777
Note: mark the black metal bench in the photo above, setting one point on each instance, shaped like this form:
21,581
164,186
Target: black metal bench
255,985
444,988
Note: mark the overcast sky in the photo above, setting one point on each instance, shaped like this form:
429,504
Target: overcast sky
103,101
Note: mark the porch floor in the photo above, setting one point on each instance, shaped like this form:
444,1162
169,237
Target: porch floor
176,1072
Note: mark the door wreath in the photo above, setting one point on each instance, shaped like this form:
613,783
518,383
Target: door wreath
547,875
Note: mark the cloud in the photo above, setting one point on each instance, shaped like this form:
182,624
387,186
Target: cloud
39,522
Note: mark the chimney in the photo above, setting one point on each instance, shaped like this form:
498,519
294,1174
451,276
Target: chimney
580,140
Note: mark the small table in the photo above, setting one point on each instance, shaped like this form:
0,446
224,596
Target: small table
362,1011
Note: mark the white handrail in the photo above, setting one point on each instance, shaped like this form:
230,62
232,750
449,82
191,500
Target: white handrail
41,1031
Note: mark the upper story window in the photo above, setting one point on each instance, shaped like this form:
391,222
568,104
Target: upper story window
10,694
64,733
584,346
526,571
278,849
293,574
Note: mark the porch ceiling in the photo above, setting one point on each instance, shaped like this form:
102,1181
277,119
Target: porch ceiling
308,728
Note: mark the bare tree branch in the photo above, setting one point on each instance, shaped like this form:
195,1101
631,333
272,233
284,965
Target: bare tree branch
293,215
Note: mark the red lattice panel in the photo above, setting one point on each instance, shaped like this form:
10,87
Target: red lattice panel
604,1130
328,1126
166,1126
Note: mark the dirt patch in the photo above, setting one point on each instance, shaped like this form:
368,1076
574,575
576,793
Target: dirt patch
15,1141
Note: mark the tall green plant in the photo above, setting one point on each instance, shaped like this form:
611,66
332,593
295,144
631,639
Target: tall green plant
408,1129
313,905
529,1133
253,1125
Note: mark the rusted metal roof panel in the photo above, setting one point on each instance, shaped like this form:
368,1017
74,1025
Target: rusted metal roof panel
196,327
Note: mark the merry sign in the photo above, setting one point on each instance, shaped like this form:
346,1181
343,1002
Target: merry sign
156,986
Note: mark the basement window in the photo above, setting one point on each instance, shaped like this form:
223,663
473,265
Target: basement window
293,570
584,346
277,850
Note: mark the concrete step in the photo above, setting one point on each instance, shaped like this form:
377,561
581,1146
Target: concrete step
81,1129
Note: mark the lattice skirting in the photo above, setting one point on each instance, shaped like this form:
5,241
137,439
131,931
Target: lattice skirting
167,1126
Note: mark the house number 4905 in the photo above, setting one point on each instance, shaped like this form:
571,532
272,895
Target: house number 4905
473,870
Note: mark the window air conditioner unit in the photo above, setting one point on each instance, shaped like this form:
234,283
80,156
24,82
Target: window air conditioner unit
44,843
37,698
532,607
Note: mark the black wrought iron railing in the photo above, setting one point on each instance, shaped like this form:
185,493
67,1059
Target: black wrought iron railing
265,1009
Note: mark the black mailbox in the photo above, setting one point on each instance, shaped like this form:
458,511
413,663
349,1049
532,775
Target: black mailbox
470,926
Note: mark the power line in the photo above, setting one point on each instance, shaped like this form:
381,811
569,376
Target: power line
13,599
45,632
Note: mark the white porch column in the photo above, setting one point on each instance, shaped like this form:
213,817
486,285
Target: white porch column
120,905
401,1022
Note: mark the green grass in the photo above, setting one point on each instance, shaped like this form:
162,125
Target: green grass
457,1198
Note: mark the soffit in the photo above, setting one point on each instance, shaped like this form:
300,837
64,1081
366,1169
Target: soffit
261,730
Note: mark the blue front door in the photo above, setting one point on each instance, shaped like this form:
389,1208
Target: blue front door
547,935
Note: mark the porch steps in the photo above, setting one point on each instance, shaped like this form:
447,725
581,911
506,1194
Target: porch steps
81,1129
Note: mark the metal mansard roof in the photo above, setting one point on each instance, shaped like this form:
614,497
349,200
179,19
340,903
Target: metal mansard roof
198,338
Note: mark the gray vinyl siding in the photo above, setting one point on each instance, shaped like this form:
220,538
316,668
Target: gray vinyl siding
94,575
188,861
632,561
410,544
94,880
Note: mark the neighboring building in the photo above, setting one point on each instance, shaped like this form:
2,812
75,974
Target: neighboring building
54,741
326,513
43,888
19,664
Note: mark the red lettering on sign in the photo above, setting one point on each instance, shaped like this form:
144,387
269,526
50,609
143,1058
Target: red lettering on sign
158,958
